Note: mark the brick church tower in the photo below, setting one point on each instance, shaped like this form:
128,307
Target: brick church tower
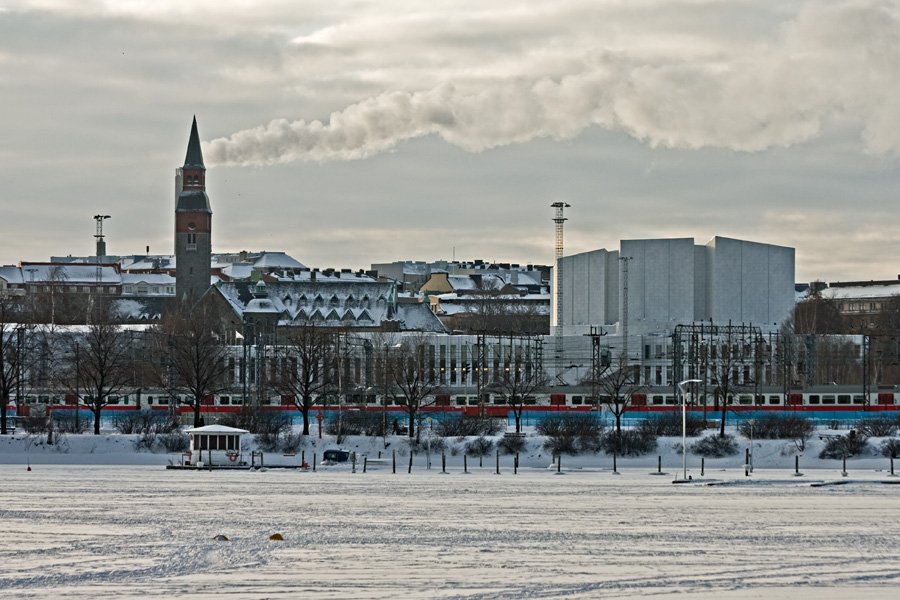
193,224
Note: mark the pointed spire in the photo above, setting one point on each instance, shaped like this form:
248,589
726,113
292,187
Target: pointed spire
194,157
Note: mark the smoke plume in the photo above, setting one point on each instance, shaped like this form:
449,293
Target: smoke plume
829,63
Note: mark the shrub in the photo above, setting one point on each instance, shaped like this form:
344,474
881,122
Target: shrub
291,441
852,444
64,422
890,448
570,434
780,427
670,425
145,442
480,446
176,441
422,445
356,422
714,446
627,443
146,421
877,427
468,426
34,424
511,444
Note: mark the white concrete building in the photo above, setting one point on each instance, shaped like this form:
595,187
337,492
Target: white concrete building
673,281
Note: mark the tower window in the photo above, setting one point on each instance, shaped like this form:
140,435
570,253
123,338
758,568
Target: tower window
192,226
192,241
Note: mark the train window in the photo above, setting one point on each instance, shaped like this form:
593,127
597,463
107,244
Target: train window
163,401
670,399
814,399
460,400
859,399
576,400
237,401
657,399
224,401
473,401
827,399
113,400
843,399
745,399
149,399
530,400
774,400
499,400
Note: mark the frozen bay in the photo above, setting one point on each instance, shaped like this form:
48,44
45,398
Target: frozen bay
143,531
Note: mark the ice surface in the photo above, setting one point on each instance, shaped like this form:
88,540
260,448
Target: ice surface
104,531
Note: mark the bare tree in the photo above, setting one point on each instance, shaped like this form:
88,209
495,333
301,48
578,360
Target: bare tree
103,367
817,314
12,350
190,339
303,356
518,375
411,373
616,384
728,354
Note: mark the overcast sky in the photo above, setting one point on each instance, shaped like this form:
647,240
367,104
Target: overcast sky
348,133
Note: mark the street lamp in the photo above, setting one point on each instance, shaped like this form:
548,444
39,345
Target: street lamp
684,423
428,442
751,422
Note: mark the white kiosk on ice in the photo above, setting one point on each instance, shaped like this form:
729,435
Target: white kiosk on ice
215,445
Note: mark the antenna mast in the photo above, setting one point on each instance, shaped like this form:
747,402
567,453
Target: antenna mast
559,219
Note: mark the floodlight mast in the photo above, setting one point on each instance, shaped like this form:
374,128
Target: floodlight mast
559,219
101,244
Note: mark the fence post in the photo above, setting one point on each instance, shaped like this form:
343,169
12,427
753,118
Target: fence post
394,456
410,462
314,461
443,462
498,462
702,467
659,464
465,469
365,463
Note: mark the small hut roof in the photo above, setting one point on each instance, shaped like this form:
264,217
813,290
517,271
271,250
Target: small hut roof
216,429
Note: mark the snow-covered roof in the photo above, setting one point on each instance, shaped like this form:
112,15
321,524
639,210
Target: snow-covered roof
416,316
330,276
149,278
70,273
239,270
277,260
361,304
12,275
216,429
862,291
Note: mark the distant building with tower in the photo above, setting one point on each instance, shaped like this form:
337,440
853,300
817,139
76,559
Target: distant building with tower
193,224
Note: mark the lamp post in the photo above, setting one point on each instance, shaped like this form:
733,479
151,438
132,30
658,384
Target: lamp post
428,442
751,422
684,424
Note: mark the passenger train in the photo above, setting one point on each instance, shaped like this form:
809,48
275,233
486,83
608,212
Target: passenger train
658,399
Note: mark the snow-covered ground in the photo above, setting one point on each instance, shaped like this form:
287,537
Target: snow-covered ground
102,521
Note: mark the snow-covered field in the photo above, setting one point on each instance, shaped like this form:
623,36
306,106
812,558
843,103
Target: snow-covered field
78,525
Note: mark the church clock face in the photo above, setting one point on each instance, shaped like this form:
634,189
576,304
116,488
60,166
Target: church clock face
192,226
